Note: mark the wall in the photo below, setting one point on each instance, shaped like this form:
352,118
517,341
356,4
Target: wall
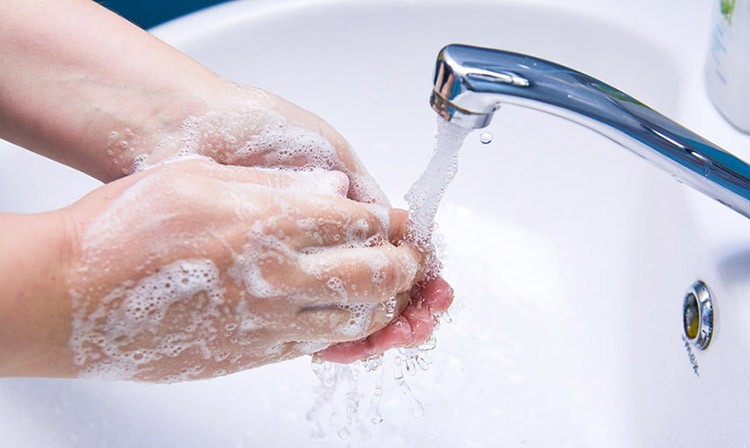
149,13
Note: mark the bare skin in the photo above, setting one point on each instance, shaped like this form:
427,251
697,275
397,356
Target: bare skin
110,100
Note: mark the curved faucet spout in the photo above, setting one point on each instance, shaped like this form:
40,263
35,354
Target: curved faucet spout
472,82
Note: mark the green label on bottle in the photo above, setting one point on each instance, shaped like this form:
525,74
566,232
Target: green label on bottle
727,9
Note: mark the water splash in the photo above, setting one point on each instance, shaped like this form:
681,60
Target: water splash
425,194
423,198
417,408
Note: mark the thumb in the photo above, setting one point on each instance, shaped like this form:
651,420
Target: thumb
397,225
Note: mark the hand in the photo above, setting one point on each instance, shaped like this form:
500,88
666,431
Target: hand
109,117
411,328
194,269
250,127
253,128
245,126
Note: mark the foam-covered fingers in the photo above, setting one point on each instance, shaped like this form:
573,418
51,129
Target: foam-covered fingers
362,187
345,322
347,352
398,333
412,327
332,323
325,221
316,181
397,225
384,314
356,275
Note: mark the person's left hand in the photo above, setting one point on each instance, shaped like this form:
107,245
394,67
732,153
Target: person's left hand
245,126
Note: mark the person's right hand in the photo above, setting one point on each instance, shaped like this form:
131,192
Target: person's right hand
194,269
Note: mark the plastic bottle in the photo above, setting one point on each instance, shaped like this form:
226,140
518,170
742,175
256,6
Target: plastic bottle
728,64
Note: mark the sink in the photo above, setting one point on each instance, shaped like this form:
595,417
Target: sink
570,257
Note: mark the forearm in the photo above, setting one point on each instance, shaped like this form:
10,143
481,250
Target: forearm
77,80
34,307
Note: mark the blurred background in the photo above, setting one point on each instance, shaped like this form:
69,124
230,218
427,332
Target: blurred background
149,13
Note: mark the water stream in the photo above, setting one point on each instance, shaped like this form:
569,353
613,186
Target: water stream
341,382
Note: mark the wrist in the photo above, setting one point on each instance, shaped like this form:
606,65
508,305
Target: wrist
148,124
72,81
34,303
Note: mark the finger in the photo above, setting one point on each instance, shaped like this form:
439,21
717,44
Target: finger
319,181
397,225
346,322
304,220
421,324
397,334
413,327
386,312
337,183
315,181
322,221
435,293
355,275
346,352
362,187
330,323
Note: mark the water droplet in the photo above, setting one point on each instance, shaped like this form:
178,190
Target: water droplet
423,362
486,138
446,317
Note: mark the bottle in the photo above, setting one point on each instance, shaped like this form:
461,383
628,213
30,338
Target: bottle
728,64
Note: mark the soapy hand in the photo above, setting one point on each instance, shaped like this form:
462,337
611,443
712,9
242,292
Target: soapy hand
249,127
246,126
428,299
194,270
113,117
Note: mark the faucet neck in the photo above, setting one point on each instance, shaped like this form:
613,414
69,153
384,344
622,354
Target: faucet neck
471,83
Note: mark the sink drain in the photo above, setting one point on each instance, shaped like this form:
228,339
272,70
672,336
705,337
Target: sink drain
698,316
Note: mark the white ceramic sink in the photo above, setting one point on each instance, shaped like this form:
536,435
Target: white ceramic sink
570,257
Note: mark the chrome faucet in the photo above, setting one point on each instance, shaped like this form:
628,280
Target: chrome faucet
472,82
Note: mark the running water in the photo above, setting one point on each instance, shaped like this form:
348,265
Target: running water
342,381
425,194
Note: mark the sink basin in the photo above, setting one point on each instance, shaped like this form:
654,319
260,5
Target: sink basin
570,257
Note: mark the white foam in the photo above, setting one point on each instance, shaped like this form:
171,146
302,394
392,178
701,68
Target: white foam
147,302
360,319
106,341
338,286
382,213
249,135
378,263
310,347
248,265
